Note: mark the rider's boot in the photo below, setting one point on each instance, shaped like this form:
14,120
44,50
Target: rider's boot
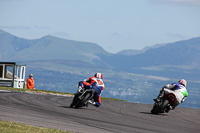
92,102
159,96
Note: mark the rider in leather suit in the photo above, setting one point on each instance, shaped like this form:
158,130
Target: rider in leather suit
179,89
95,82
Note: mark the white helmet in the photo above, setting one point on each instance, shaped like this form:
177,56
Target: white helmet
98,75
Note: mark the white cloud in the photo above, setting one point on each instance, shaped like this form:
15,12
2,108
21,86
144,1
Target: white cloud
178,36
21,27
179,2
42,27
123,92
15,27
61,34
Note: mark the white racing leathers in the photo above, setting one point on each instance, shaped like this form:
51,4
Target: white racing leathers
178,90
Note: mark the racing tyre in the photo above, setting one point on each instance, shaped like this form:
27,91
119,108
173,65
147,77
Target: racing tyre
159,108
82,101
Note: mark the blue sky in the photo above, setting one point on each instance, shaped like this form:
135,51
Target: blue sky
113,24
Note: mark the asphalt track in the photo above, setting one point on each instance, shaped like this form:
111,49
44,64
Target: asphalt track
112,116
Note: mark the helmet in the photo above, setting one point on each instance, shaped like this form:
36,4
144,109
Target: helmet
183,82
98,75
31,75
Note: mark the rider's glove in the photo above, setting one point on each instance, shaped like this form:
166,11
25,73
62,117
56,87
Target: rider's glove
81,84
183,99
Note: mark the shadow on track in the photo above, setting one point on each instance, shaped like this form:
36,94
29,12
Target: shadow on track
148,113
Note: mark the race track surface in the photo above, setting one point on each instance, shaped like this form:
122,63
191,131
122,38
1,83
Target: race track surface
112,116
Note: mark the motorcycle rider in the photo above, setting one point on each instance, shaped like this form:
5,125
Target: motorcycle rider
179,89
95,82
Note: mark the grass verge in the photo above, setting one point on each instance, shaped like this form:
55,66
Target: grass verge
14,127
35,91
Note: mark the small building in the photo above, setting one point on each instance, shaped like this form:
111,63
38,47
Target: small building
12,74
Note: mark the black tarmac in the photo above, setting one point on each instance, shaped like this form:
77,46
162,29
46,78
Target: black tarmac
53,111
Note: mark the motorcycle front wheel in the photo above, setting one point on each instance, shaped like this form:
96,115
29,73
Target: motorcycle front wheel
75,100
160,108
82,101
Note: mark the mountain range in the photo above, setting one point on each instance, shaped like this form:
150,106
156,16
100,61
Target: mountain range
47,48
127,73
181,53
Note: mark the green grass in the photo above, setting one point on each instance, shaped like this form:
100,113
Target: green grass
34,90
113,99
13,127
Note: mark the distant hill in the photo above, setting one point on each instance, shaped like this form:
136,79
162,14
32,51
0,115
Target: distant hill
10,45
185,53
181,53
129,52
49,48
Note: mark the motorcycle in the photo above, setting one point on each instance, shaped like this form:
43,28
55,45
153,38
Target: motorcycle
165,104
81,97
